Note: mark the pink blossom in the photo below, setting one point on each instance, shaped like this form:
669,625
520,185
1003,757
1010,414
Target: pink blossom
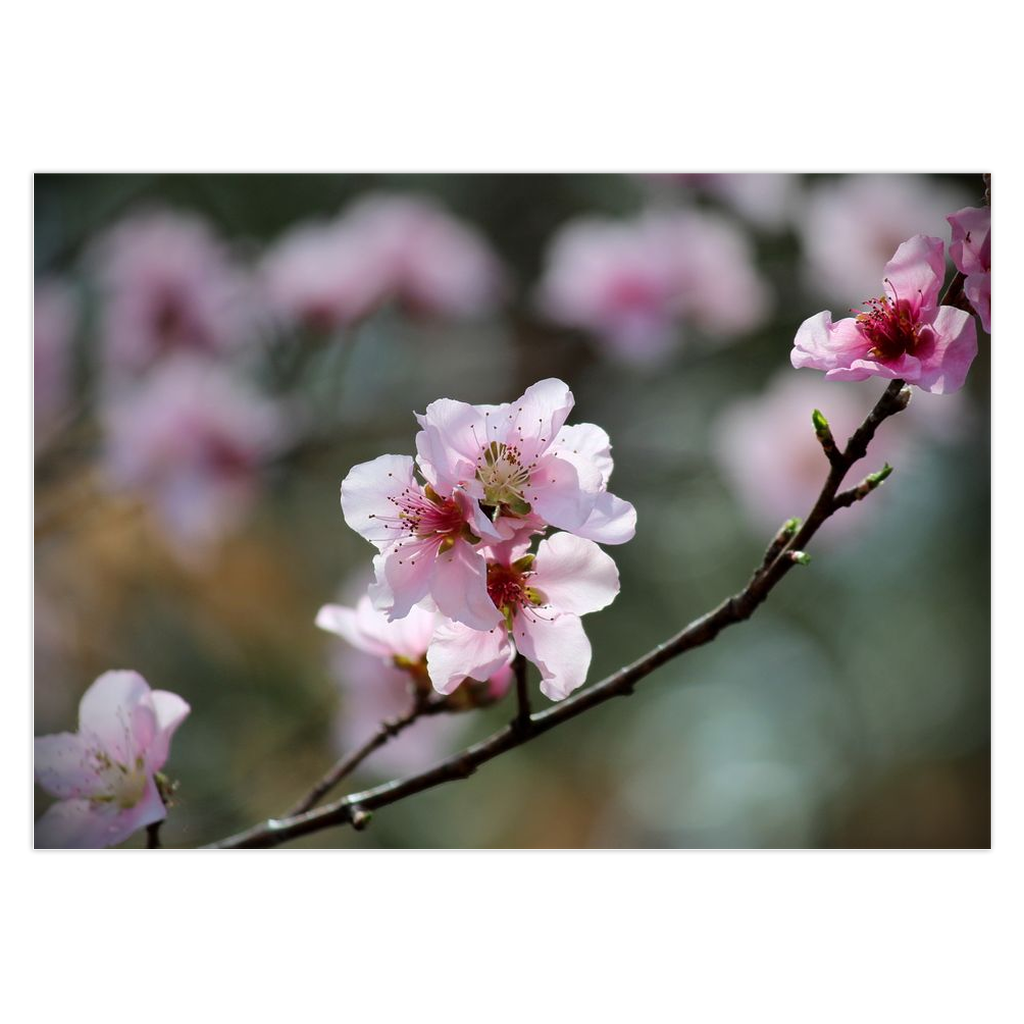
424,257
520,461
541,599
378,674
769,456
191,440
169,286
103,775
426,541
971,252
634,283
320,275
850,226
54,322
767,200
904,334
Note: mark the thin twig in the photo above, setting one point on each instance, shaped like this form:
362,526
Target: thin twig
153,836
737,608
387,730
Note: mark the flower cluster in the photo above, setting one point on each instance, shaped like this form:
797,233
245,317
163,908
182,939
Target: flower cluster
904,334
455,537
105,776
634,283
329,274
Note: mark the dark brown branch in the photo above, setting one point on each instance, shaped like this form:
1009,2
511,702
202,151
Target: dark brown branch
352,809
387,730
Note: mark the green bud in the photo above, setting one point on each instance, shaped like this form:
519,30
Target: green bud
819,421
800,557
874,479
790,526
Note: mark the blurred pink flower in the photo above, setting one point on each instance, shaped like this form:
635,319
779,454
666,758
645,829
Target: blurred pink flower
768,454
633,283
103,774
767,451
54,321
378,674
971,252
904,334
191,440
765,200
169,286
851,226
321,276
425,258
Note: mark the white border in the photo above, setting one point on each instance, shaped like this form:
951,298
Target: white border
532,86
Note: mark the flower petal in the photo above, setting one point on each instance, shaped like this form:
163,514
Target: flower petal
612,521
87,825
450,442
556,495
63,766
403,575
585,444
969,245
112,714
559,648
916,271
343,622
822,345
459,587
170,711
978,289
458,652
944,368
367,495
535,419
574,574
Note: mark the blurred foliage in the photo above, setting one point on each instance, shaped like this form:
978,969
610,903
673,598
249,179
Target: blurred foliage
852,711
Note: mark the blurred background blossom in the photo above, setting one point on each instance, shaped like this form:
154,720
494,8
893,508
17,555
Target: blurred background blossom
214,352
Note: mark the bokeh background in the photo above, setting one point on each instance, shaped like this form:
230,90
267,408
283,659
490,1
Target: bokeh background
214,352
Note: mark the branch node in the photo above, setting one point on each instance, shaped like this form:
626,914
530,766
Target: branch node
360,818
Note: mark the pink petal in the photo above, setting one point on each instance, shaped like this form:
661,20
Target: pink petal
474,514
459,587
85,825
342,621
112,712
404,572
450,442
973,223
586,444
574,574
366,494
978,289
917,271
945,368
63,766
822,345
170,711
556,494
612,521
559,648
537,417
458,652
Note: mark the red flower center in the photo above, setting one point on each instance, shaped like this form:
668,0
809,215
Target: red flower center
506,586
891,327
